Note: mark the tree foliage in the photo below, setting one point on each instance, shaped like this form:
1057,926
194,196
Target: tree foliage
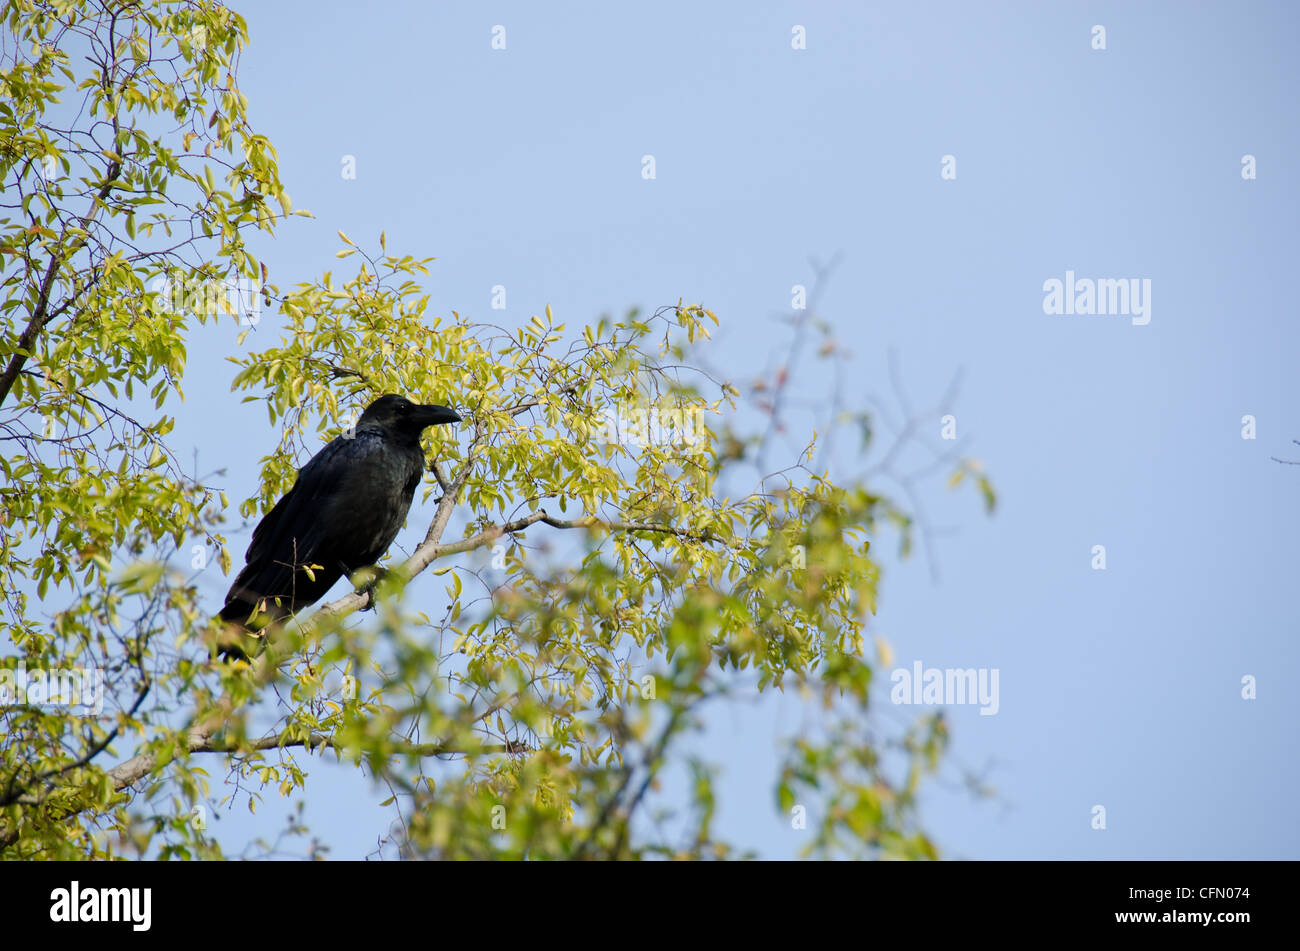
599,569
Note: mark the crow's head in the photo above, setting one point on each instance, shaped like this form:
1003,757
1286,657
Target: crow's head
399,416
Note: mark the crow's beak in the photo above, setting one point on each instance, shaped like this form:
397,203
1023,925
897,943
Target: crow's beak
431,414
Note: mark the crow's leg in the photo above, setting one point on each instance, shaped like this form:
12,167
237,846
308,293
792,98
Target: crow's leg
365,580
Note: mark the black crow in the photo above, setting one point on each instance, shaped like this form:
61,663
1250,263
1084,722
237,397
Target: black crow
342,513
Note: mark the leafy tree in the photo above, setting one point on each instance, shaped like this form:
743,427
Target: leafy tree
610,566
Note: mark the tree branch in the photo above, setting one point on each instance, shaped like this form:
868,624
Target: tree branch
136,768
40,314
430,550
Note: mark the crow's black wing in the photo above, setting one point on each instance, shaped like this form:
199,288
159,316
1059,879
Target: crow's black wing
342,513
296,532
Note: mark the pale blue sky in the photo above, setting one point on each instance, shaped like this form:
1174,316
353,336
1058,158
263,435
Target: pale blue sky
522,167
